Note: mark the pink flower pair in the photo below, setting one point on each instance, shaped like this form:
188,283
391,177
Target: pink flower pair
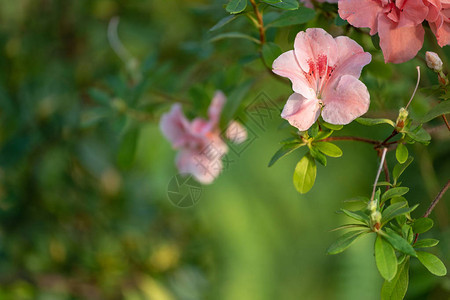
324,72
399,23
199,141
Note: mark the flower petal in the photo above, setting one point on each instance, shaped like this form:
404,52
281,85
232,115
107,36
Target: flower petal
361,13
175,126
347,102
313,44
301,112
399,44
215,108
287,66
413,12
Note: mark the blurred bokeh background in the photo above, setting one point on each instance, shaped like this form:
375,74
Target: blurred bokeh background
84,169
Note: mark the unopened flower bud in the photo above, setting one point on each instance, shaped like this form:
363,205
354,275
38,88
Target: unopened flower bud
402,116
372,206
433,61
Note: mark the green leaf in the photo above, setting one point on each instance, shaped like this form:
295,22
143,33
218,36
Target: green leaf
398,242
395,213
222,22
376,41
340,22
392,208
332,126
440,109
270,51
432,263
419,135
357,215
371,122
397,287
384,183
233,35
313,131
294,17
343,242
271,1
394,192
99,96
305,174
286,4
385,258
127,149
323,134
426,243
422,225
284,150
347,226
236,6
401,153
318,156
329,149
400,168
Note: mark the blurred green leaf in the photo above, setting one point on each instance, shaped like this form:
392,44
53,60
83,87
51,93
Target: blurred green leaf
100,97
295,17
385,258
357,215
376,41
332,126
345,241
397,287
236,6
284,150
234,101
286,4
127,149
338,21
234,35
432,263
422,225
441,109
270,51
222,22
305,174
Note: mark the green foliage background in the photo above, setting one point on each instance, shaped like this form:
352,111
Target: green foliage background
84,168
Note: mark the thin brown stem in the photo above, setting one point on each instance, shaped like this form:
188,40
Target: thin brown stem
262,33
433,204
386,173
446,122
350,138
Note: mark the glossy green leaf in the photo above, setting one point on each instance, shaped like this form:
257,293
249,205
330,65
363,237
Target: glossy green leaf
329,149
420,135
236,6
398,212
426,243
284,150
343,242
305,174
398,242
347,226
401,153
270,51
440,109
394,192
294,17
323,134
371,122
432,263
332,126
397,287
422,225
385,258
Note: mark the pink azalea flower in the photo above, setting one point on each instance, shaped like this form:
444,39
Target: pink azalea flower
199,141
438,18
309,4
324,72
398,23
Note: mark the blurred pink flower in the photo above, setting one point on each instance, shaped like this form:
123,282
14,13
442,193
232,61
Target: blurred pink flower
324,72
309,4
438,18
199,141
398,23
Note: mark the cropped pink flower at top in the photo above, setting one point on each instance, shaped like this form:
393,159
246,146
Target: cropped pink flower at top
399,23
199,141
324,72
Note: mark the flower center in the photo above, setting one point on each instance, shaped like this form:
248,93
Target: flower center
319,73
